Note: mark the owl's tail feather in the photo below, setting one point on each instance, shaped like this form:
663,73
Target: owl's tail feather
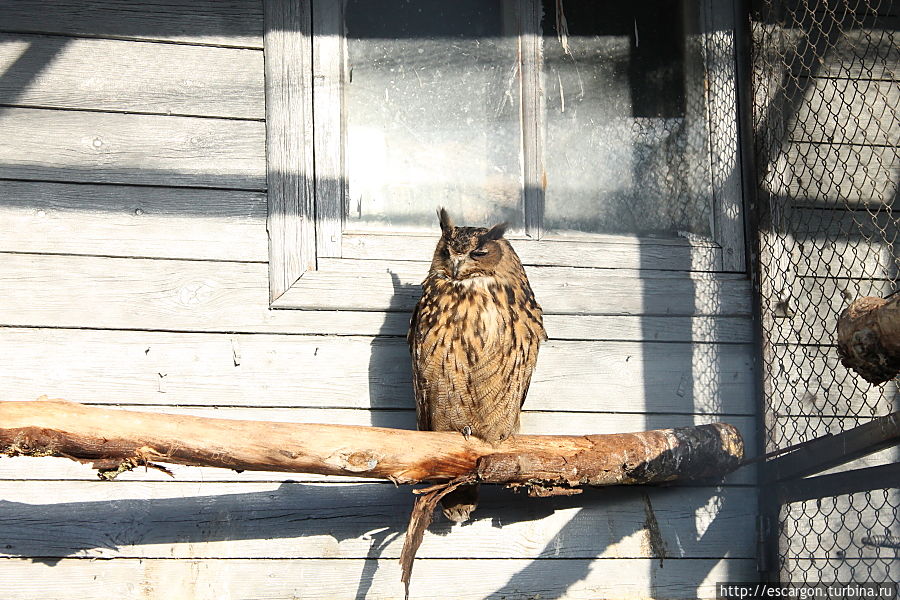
459,504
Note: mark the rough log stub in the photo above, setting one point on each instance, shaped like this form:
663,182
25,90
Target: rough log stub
623,458
869,338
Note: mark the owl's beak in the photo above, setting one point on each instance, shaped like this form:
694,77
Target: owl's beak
455,266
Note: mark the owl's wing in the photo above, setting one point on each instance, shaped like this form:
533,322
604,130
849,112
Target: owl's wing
537,334
413,323
529,360
419,388
423,423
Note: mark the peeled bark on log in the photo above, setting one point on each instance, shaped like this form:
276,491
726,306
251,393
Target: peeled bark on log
116,440
869,338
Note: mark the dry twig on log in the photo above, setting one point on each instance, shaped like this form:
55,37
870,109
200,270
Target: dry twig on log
869,338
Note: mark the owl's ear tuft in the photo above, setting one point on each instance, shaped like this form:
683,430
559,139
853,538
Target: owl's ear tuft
495,233
445,220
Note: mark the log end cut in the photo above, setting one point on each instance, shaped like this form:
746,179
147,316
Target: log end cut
869,338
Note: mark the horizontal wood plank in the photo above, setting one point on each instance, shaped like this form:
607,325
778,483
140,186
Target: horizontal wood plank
533,422
49,72
738,330
418,269
849,11
844,568
620,253
119,293
815,304
217,22
865,49
861,525
613,328
122,293
394,286
195,369
810,380
829,175
848,111
109,220
308,520
844,243
92,147
337,579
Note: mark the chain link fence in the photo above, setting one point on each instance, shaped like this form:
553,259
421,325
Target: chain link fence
825,100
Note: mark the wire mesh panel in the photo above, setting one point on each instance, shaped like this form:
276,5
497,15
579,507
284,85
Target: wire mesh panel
825,100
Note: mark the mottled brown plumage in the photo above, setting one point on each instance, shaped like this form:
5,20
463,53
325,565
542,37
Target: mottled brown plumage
474,340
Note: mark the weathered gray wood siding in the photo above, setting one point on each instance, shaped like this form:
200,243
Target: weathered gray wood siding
833,237
831,97
133,272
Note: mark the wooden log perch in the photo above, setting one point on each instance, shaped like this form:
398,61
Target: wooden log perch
869,338
119,440
116,440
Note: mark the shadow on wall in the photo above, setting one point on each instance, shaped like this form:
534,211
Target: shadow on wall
387,366
390,364
366,521
348,513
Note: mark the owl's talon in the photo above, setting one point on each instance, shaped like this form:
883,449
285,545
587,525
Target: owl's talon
467,431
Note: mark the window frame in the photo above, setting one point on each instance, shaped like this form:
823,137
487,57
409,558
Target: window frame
304,48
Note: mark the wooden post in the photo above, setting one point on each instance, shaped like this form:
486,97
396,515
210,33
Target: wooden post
869,338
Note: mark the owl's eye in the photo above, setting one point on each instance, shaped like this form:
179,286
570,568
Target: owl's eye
479,252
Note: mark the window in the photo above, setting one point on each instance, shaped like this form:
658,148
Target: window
604,133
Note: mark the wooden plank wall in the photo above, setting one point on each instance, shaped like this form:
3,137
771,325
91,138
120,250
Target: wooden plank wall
832,188
133,271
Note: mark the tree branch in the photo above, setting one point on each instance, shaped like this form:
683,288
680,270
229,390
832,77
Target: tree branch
115,440
119,440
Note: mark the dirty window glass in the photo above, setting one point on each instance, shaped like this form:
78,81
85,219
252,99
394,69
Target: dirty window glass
625,146
432,109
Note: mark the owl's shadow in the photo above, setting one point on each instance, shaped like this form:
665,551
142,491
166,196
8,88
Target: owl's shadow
391,400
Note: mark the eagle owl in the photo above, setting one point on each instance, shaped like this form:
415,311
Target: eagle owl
474,340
